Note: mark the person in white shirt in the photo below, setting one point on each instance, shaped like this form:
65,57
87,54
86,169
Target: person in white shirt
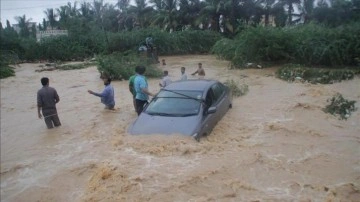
165,80
183,75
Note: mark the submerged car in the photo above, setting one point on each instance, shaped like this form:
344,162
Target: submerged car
190,107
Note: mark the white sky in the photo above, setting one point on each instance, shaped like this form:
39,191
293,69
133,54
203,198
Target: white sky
34,9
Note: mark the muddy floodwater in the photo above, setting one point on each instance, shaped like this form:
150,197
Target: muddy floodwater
275,144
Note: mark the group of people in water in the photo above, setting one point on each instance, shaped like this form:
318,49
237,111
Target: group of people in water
47,97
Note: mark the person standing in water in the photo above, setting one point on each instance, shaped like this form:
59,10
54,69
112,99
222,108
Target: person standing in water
200,71
165,80
183,75
107,96
141,89
47,98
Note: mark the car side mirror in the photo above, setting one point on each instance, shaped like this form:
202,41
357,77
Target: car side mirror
211,110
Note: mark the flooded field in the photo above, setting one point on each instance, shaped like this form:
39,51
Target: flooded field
275,144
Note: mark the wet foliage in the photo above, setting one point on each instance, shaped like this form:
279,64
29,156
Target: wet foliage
75,66
6,59
119,66
293,72
309,44
340,106
236,89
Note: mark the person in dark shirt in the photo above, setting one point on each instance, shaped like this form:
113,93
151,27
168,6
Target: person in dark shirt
47,98
107,96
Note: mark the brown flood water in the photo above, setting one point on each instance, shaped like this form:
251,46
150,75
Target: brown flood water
275,144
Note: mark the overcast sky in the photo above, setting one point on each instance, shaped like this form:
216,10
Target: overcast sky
33,9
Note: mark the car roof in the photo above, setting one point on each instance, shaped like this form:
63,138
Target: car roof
191,84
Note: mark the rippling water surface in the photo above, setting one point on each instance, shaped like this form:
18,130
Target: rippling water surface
275,144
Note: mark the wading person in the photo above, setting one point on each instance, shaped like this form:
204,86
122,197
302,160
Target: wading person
141,89
107,96
200,71
183,75
165,80
47,98
132,88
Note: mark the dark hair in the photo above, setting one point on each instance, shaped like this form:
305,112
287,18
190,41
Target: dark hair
183,68
166,72
199,63
44,81
140,70
109,79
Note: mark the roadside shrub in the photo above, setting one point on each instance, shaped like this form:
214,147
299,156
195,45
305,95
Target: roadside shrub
180,42
292,72
75,66
255,45
121,66
6,71
6,58
236,89
340,106
309,44
62,48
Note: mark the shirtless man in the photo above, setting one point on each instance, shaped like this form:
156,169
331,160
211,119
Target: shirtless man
200,72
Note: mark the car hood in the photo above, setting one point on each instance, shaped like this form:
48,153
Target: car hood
150,124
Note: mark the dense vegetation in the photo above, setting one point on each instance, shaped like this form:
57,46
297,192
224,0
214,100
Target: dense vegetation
308,44
261,31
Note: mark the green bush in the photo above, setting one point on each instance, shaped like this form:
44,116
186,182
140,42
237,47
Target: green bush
236,90
308,44
121,66
340,106
182,42
6,58
74,66
291,72
6,71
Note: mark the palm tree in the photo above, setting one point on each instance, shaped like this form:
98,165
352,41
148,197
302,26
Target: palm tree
23,25
125,20
64,15
72,9
166,15
123,5
85,11
51,17
211,13
140,12
189,13
290,9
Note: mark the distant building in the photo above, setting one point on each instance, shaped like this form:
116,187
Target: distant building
50,33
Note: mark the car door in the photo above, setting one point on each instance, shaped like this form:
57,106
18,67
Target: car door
220,100
209,119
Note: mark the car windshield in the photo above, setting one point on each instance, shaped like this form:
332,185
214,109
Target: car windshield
175,103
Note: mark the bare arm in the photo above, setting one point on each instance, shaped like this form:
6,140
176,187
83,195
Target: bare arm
146,91
39,113
39,105
195,72
57,98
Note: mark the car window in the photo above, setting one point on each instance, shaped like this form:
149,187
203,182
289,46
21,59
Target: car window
209,98
168,103
218,90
